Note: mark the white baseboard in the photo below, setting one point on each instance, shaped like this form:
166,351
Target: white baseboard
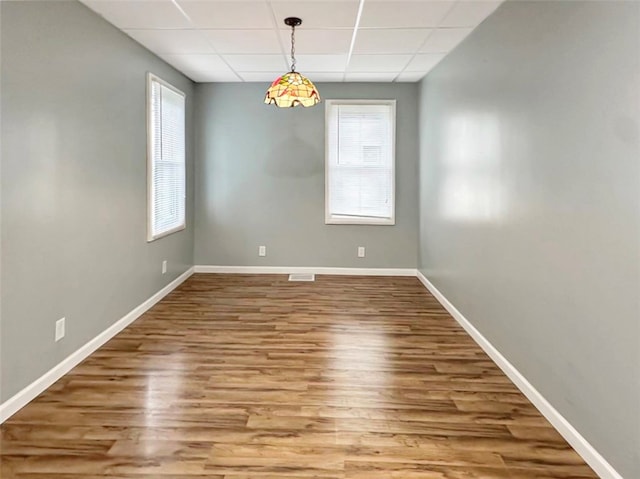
591,456
26,395
303,269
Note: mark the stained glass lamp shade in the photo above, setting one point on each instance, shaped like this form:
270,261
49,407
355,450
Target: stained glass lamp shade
292,88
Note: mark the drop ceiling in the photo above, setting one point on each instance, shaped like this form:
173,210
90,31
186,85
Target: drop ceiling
339,40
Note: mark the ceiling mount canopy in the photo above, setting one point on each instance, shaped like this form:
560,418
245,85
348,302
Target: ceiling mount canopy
292,88
293,22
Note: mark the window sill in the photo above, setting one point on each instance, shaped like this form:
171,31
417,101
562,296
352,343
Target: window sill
166,233
346,220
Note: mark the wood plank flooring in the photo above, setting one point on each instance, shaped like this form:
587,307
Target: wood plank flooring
254,377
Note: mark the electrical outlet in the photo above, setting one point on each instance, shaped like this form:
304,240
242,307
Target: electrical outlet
262,251
164,266
59,329
360,251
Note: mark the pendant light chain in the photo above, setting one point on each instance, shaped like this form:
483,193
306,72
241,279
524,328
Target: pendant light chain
293,48
292,88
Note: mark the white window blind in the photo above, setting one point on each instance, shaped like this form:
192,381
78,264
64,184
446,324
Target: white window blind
166,144
360,162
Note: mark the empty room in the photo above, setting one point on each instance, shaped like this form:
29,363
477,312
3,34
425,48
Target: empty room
319,239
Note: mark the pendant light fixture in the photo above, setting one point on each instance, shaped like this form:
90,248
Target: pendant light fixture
292,88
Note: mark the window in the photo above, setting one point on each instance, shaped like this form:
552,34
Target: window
360,162
166,158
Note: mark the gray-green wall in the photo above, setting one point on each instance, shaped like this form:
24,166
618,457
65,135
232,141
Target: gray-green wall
530,204
260,181
74,183
529,185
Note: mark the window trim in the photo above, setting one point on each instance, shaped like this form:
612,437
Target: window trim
330,219
151,237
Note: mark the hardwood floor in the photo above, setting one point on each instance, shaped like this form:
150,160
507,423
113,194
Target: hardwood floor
253,377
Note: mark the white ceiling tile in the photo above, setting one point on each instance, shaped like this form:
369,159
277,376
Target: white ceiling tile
318,41
244,41
172,41
372,76
424,62
378,63
315,14
327,63
313,76
260,76
390,40
469,13
325,77
228,14
404,14
411,76
443,40
213,76
257,63
210,39
140,14
197,63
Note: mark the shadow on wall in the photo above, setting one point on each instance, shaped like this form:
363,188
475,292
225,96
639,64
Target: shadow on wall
293,156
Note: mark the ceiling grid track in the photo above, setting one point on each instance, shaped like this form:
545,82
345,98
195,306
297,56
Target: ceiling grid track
340,41
426,40
353,38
